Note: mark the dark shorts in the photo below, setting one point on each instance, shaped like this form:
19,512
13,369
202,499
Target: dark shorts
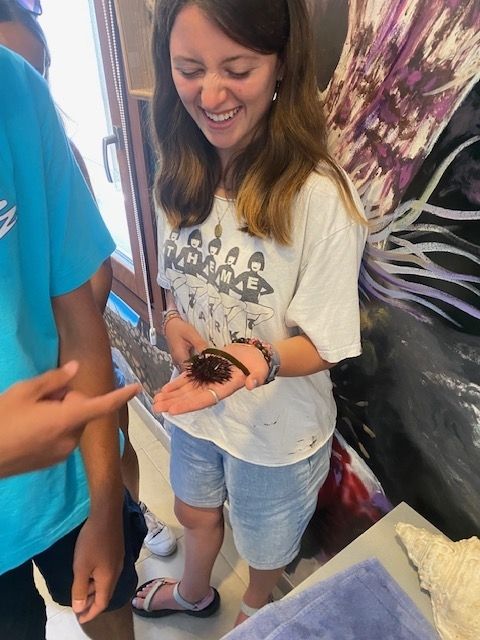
22,609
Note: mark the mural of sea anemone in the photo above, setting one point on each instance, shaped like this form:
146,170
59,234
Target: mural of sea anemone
402,100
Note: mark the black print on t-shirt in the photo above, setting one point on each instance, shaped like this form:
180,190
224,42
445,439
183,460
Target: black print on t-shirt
218,301
170,250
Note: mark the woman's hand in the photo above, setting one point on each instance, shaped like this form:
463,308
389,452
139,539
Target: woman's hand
183,341
183,394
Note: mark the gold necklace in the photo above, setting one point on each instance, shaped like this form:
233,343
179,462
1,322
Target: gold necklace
218,227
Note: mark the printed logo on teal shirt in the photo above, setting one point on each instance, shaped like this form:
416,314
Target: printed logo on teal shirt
8,218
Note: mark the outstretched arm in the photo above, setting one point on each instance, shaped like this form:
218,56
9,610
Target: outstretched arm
298,357
42,420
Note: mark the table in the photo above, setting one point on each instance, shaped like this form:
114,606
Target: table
381,542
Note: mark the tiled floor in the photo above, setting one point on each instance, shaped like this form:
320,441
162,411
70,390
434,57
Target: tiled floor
229,575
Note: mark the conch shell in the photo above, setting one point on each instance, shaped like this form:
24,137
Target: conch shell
450,572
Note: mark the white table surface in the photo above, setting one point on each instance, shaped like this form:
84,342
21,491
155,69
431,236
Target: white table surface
381,542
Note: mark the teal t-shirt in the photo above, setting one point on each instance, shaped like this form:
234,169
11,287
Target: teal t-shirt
52,240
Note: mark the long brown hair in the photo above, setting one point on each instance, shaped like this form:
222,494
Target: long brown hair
290,143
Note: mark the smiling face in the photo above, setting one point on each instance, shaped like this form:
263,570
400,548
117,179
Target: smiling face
226,88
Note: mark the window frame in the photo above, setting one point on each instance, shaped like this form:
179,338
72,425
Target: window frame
128,282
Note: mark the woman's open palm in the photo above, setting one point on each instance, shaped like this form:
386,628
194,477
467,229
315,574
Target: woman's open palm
183,394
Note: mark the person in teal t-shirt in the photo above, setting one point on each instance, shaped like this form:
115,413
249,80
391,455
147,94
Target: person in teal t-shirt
21,32
67,518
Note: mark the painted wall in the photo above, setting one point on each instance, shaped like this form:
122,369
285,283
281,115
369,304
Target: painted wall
402,102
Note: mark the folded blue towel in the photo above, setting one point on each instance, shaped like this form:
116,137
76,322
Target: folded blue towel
361,603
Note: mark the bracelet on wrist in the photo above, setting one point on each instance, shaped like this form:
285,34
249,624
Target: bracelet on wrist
169,315
264,347
270,354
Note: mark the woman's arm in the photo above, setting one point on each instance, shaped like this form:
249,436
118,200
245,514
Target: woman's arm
298,357
182,338
170,301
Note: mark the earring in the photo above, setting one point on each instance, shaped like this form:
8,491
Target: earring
277,88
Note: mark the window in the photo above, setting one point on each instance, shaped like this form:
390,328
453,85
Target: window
108,126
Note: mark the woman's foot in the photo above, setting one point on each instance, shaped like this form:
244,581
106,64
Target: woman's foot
161,597
247,612
240,618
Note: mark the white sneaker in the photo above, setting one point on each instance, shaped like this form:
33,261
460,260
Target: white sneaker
160,539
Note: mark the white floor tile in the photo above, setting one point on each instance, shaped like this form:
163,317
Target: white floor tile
64,626
160,457
139,434
155,491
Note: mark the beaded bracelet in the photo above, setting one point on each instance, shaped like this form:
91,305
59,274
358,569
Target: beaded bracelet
270,354
265,347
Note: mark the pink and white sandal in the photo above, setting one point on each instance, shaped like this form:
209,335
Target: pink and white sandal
204,608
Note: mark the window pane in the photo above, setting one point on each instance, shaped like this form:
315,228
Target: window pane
78,86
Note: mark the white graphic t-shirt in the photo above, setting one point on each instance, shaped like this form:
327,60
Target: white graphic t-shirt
242,286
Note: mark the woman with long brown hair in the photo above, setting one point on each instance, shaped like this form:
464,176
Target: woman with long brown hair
269,308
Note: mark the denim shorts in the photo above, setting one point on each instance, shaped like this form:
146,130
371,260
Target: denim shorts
269,507
22,609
